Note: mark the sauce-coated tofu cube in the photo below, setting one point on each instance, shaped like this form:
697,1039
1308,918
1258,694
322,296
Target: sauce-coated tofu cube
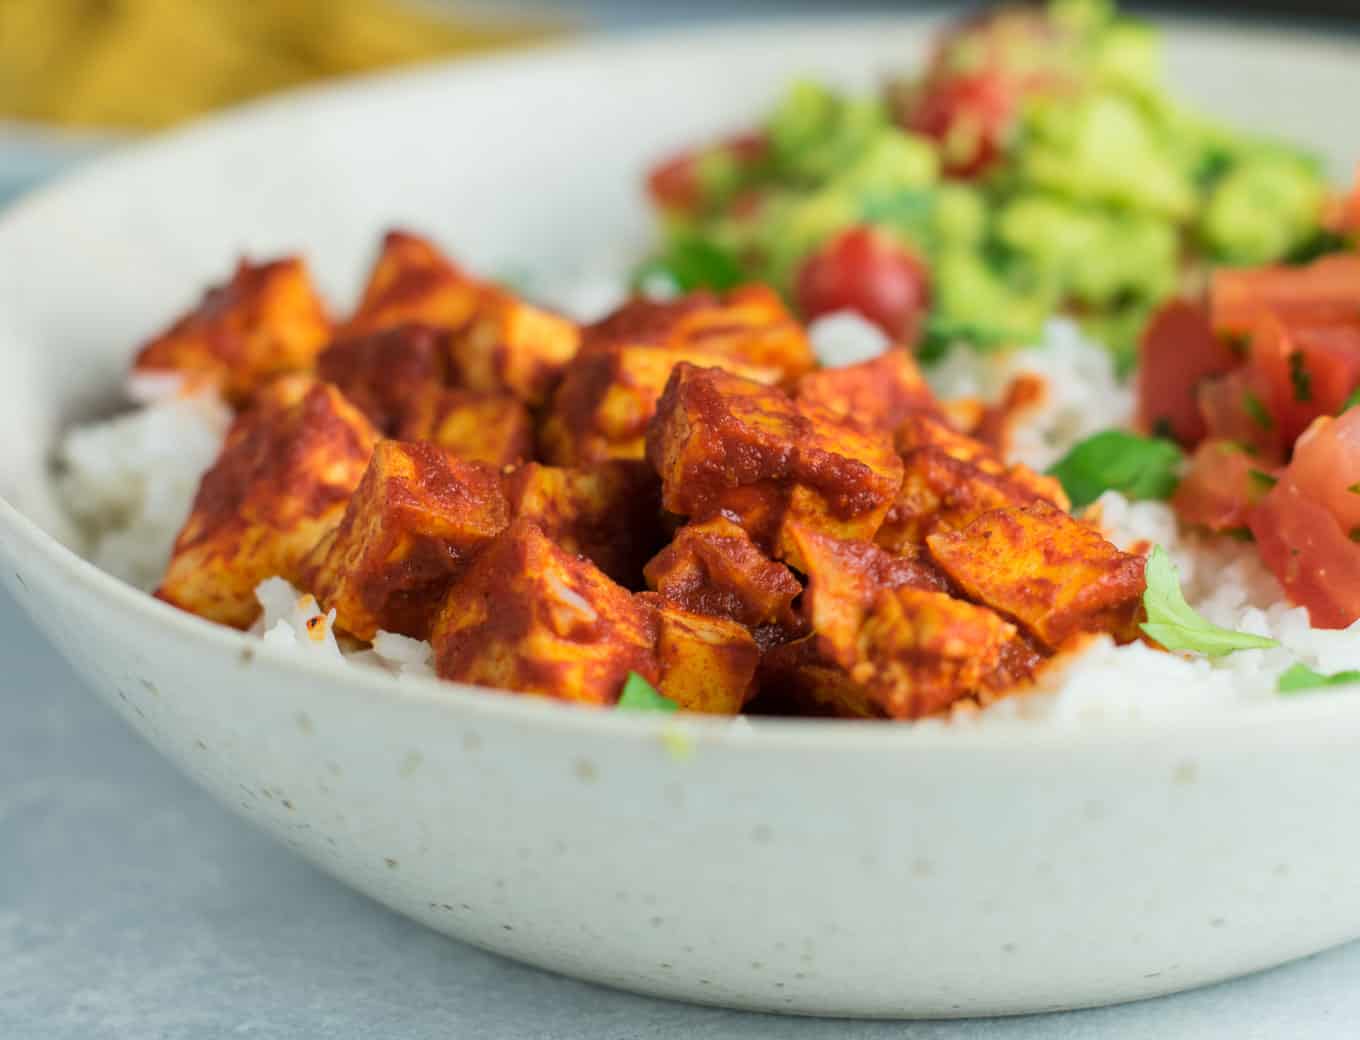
266,321
712,567
509,346
385,373
749,326
609,395
716,433
287,469
610,512
877,395
1056,576
950,480
708,664
410,528
916,653
845,578
412,282
531,617
492,428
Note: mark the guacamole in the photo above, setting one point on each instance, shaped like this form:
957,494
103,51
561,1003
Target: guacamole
1038,165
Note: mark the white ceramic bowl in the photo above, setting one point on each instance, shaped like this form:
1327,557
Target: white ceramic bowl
826,868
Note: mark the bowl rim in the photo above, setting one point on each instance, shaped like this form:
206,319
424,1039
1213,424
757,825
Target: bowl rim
1258,724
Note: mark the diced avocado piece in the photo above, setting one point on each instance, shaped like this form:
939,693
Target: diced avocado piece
958,217
1101,149
1091,255
815,132
1262,210
795,224
1129,53
975,304
892,160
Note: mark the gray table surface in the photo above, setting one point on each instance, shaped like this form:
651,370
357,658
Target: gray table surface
132,905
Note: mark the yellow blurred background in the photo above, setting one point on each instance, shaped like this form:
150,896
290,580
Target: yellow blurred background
145,64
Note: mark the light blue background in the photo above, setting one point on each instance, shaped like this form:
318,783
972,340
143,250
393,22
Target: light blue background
131,905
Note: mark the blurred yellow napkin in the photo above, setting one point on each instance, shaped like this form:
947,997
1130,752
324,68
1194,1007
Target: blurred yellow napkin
141,64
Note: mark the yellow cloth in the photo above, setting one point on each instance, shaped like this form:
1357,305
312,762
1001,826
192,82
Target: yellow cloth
149,63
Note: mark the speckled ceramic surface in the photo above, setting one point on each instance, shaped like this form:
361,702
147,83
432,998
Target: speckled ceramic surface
813,867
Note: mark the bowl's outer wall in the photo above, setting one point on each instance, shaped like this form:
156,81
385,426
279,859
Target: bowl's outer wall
827,871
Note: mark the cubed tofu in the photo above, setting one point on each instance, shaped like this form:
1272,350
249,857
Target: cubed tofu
286,472
412,282
951,479
877,395
386,373
609,394
492,428
1055,576
410,529
708,664
610,512
845,578
916,653
530,617
266,321
749,326
713,567
716,433
509,346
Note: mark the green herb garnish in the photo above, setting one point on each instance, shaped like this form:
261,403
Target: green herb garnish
1178,626
1137,467
1262,480
692,262
1351,401
1300,678
1300,377
1257,411
640,695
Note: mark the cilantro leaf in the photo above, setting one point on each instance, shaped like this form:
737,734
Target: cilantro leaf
1300,377
693,262
1300,678
1350,401
640,695
1137,467
1257,410
1178,626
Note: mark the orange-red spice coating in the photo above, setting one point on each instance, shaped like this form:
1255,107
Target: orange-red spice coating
529,616
383,373
877,395
712,567
1056,576
410,528
267,320
708,664
492,428
287,470
412,282
609,512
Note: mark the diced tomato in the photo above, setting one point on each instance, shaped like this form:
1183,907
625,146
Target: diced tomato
1179,351
865,271
1234,408
1310,368
1328,286
1343,216
972,117
1220,487
676,184
1308,526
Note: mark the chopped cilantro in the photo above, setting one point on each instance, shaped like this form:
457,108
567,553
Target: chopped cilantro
1354,534
1261,480
1239,534
1300,678
1257,411
1354,489
1176,625
640,695
692,262
1350,401
1138,467
1300,377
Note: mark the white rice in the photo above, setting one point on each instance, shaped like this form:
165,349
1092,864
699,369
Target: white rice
129,483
